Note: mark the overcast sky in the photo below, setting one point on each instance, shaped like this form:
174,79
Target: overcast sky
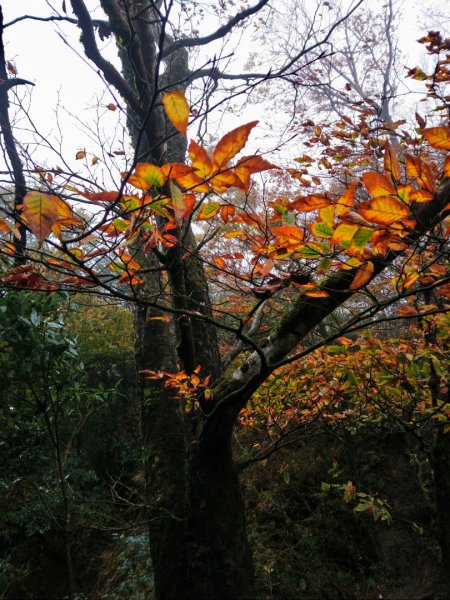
65,80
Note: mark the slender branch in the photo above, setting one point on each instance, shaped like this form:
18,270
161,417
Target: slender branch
20,188
218,34
89,43
96,22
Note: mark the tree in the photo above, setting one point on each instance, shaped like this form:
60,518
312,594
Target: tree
140,246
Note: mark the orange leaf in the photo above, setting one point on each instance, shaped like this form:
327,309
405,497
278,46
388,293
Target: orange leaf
391,164
378,185
438,137
447,166
200,159
231,144
190,205
384,210
268,266
248,165
42,211
221,182
219,262
363,275
346,200
289,233
421,171
177,110
226,212
192,182
233,234
175,170
100,196
80,154
317,294
421,196
309,203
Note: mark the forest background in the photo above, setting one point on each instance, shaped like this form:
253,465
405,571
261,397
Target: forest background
226,375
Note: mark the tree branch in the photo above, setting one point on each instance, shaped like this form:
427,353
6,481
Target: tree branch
218,34
305,314
20,188
89,43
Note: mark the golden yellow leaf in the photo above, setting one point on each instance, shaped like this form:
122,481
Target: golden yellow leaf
438,137
43,211
378,185
310,203
421,171
384,210
200,159
391,164
346,200
177,110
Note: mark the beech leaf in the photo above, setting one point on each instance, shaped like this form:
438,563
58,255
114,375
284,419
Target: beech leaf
363,275
232,143
438,137
177,110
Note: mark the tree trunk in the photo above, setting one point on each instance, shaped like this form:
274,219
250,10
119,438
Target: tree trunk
220,561
441,464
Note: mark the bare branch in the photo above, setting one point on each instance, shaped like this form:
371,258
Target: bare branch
218,34
89,43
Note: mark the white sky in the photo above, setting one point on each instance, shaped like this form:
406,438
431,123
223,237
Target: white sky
61,77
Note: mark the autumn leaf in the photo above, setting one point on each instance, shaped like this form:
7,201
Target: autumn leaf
177,110
421,196
152,175
80,155
310,203
378,185
344,233
227,211
346,201
317,294
384,211
232,143
321,229
289,233
208,211
178,202
248,165
233,234
438,137
391,164
176,170
43,211
421,171
447,167
111,106
200,159
363,275
100,196
4,226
